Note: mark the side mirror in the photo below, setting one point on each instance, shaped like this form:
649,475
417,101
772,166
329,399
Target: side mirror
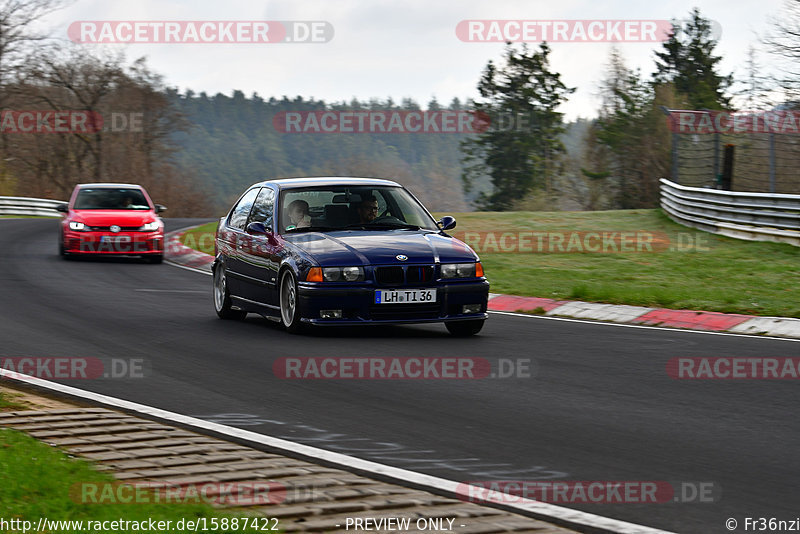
63,208
160,208
257,228
447,223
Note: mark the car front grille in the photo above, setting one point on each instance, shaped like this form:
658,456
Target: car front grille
421,274
395,275
108,228
389,275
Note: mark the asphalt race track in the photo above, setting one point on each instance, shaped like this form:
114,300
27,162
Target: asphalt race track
599,404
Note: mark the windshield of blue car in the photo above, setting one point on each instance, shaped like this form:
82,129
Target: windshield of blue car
108,198
331,208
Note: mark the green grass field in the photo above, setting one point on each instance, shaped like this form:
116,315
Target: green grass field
201,238
39,481
671,266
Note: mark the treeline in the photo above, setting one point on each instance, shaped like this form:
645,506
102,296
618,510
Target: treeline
616,160
196,153
237,140
70,116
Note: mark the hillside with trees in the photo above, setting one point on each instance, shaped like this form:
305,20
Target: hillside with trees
195,152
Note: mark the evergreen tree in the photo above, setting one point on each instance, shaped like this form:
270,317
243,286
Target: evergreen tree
688,62
520,156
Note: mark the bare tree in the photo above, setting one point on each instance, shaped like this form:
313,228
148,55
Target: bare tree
17,39
784,42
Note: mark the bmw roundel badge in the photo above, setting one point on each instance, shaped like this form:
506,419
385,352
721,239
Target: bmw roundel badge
401,257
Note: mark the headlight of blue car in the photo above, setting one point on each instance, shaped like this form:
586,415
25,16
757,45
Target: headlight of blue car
343,274
462,270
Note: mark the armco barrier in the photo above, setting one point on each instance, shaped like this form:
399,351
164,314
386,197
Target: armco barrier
29,206
752,216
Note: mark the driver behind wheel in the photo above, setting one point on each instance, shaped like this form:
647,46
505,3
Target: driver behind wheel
368,209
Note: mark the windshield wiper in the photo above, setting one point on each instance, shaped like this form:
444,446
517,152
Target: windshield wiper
404,226
311,229
382,226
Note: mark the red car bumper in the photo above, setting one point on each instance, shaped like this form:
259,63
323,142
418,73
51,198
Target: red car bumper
121,243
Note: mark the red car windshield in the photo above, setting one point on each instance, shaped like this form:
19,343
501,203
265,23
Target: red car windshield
107,198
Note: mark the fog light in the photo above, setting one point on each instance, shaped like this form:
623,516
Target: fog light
330,314
471,308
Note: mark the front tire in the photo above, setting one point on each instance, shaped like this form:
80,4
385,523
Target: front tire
465,328
62,250
222,298
155,258
290,316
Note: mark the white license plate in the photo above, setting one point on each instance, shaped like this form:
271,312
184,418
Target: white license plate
115,239
404,296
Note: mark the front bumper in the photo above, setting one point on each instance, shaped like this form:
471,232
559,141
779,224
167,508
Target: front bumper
358,308
121,243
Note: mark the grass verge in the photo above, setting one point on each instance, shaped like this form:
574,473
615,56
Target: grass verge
39,481
682,269
201,238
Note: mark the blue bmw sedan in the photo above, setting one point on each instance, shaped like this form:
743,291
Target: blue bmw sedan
344,251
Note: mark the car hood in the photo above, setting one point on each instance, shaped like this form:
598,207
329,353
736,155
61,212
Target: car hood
381,247
118,217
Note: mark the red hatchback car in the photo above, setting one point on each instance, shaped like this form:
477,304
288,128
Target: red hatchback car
111,219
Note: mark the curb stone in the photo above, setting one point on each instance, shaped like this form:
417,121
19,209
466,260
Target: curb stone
308,497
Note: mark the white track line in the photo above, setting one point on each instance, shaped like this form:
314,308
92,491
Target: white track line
574,519
194,269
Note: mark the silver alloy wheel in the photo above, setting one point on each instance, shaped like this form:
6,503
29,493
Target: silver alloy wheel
288,299
219,288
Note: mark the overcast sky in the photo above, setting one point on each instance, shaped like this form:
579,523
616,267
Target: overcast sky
401,48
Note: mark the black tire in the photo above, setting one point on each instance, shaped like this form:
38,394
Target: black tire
222,298
61,250
465,328
155,258
287,297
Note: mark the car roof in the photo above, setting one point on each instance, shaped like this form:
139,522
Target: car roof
291,183
109,184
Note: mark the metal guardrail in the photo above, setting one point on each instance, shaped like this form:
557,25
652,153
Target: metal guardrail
29,206
752,216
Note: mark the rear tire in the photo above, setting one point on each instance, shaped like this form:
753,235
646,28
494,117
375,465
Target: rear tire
155,258
465,328
222,298
287,294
